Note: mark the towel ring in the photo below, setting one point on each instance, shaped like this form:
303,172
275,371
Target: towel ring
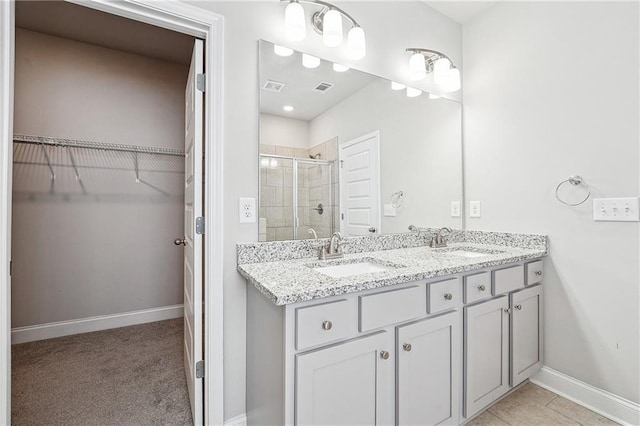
396,198
574,180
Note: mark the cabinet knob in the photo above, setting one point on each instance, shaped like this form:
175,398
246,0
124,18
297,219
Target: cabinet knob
407,347
518,307
538,273
448,296
481,287
507,310
384,354
327,325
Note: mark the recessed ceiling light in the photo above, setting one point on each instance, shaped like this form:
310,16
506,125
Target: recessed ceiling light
397,86
282,51
340,68
309,61
413,92
287,108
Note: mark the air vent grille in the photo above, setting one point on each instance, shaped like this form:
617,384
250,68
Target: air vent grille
273,86
323,87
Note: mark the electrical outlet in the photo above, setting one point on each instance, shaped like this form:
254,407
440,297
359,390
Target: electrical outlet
616,209
247,210
455,209
474,209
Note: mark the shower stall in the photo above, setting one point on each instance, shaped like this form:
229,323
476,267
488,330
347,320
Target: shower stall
296,194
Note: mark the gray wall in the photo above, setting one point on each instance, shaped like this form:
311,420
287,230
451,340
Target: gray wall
539,106
412,23
78,256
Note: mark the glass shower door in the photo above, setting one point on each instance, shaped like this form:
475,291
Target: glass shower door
276,219
314,198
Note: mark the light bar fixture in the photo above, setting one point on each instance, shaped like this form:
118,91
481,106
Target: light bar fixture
326,22
445,75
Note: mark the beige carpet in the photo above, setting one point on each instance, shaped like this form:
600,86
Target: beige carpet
125,376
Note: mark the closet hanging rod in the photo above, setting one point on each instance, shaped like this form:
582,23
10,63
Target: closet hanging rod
102,146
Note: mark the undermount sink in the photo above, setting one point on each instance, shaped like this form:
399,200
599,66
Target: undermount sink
349,269
466,253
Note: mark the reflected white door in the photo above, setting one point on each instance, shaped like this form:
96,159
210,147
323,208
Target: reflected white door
360,185
193,240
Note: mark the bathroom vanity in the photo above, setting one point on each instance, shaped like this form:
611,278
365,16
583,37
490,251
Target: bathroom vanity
404,335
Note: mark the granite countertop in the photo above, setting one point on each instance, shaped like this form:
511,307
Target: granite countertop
290,281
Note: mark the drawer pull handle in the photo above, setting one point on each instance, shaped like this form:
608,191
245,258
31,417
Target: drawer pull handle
384,354
407,347
518,307
448,296
481,287
327,325
538,273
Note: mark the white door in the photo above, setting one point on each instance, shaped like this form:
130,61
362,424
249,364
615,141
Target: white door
486,353
360,185
193,239
347,384
428,371
526,333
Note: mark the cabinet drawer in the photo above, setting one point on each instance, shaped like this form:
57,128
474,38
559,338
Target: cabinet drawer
508,279
535,272
477,287
381,309
443,295
320,324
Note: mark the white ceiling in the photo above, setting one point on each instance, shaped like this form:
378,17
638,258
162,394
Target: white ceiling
460,11
63,19
299,84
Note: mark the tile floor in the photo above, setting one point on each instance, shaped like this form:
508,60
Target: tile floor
533,405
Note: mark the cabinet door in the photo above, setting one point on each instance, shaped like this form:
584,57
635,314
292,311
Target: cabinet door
526,337
349,383
486,353
428,371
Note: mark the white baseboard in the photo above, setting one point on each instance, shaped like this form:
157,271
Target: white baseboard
240,420
602,402
86,325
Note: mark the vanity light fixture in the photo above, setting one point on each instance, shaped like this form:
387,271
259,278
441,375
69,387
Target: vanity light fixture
326,22
445,75
340,68
309,61
397,86
287,108
412,92
282,51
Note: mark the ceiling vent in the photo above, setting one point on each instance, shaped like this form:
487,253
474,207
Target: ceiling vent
323,87
273,86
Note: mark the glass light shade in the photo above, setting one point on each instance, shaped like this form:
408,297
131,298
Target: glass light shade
434,96
451,83
273,163
332,28
441,69
340,68
264,162
413,92
417,67
309,61
397,86
282,51
294,21
356,43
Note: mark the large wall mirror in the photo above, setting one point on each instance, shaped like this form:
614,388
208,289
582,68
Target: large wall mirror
341,150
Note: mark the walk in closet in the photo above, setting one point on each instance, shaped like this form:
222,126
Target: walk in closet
98,174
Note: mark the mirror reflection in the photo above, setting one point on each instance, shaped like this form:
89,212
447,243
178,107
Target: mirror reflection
341,150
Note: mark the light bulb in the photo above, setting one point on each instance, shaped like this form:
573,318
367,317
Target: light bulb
294,21
340,68
282,51
287,108
441,69
451,82
273,163
309,61
413,92
417,67
332,28
356,43
264,162
397,86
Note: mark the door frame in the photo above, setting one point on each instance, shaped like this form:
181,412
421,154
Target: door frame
341,146
175,16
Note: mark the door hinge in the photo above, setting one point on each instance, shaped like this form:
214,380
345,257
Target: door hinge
342,216
10,267
199,369
342,164
200,225
200,82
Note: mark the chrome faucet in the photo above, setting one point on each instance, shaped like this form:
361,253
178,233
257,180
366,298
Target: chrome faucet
413,228
440,239
334,249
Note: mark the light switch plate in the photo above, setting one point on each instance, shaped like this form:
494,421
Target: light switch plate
389,210
474,209
455,209
247,210
616,209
